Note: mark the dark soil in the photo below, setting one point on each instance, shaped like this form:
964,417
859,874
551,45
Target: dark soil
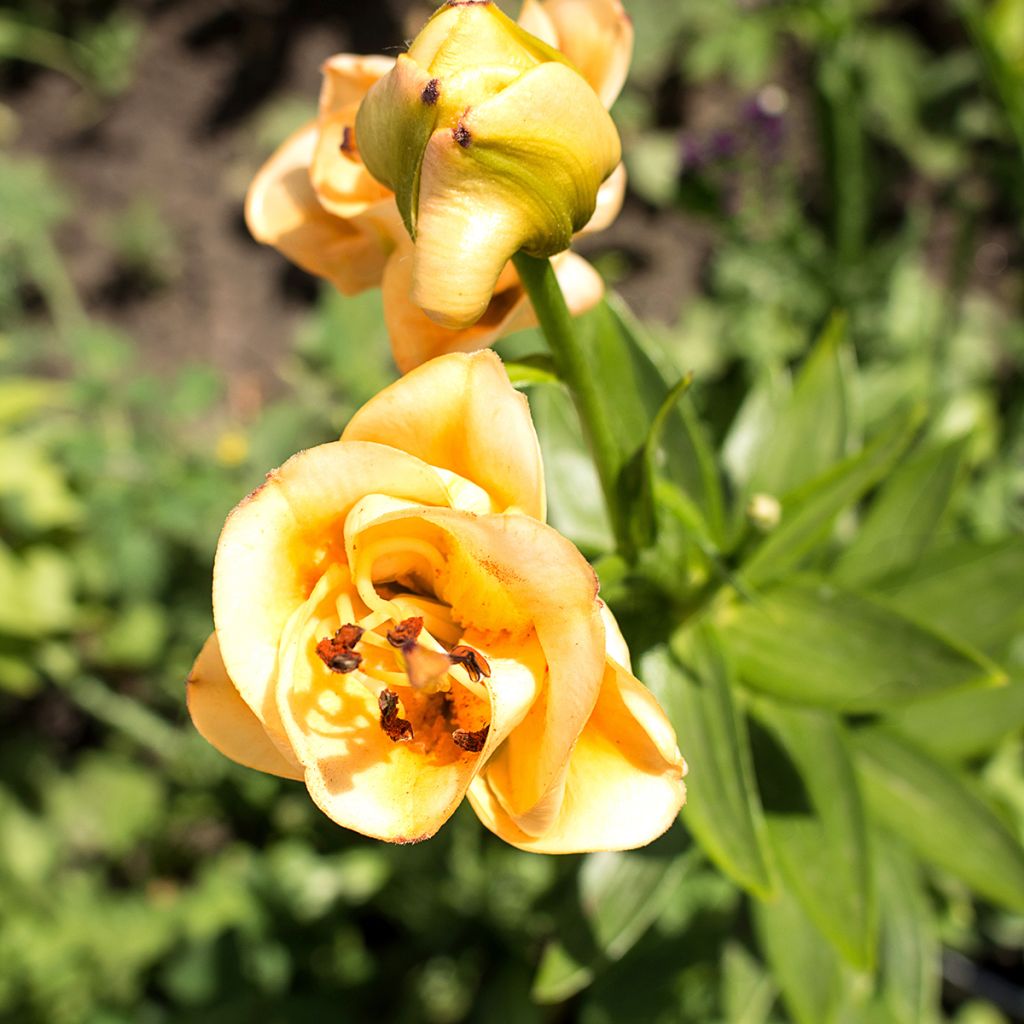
182,136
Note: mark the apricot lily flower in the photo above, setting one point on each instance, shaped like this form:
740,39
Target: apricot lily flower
316,202
397,627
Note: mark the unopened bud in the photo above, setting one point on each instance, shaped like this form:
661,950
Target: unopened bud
492,143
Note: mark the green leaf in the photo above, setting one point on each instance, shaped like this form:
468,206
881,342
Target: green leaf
910,967
816,644
576,505
694,683
806,969
938,813
902,520
967,590
817,825
962,725
810,431
640,386
748,990
809,513
645,517
620,897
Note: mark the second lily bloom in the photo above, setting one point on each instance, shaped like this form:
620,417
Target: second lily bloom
452,289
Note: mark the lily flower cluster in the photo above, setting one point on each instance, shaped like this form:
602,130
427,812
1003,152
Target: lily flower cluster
395,623
475,98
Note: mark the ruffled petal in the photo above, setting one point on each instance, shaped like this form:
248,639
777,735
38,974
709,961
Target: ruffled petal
348,77
224,720
506,576
623,787
416,339
597,36
278,541
459,412
609,201
282,210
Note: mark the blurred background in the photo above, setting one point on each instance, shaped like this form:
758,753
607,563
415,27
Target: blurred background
788,159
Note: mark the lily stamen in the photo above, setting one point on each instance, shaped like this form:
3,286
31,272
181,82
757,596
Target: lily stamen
472,661
471,739
406,631
337,652
396,729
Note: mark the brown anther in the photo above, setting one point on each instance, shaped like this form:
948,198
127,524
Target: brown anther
405,632
347,140
472,661
337,653
460,133
396,729
431,91
471,740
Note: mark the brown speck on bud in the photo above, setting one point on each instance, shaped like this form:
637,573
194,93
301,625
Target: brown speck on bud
431,91
471,740
347,140
396,729
472,661
337,653
461,134
405,632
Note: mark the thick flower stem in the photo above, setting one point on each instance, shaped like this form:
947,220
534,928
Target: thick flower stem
574,366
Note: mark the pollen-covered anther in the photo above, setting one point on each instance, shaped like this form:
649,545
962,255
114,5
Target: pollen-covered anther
405,632
461,134
472,740
431,91
337,652
472,661
396,729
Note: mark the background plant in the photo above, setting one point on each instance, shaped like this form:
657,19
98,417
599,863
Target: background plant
820,575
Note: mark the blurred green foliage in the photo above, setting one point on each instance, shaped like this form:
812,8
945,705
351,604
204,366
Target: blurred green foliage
824,585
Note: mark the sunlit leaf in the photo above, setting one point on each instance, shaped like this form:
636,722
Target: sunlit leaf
902,520
810,642
817,826
694,681
809,513
940,815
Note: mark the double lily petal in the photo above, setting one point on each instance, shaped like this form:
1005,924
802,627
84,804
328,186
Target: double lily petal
398,627
316,202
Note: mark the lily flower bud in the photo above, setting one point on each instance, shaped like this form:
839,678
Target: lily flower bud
492,143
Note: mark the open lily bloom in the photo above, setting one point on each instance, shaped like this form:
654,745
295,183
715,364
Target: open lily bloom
398,627
315,201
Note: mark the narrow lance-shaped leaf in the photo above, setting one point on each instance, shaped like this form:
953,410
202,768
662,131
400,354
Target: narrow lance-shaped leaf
817,825
971,591
809,513
694,683
940,815
620,896
810,430
806,968
964,724
815,644
902,519
910,968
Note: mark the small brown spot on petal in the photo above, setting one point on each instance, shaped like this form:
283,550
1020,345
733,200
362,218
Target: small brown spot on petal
431,91
347,140
471,740
460,133
472,661
396,729
406,631
337,653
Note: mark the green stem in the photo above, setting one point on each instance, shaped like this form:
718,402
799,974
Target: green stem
573,363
